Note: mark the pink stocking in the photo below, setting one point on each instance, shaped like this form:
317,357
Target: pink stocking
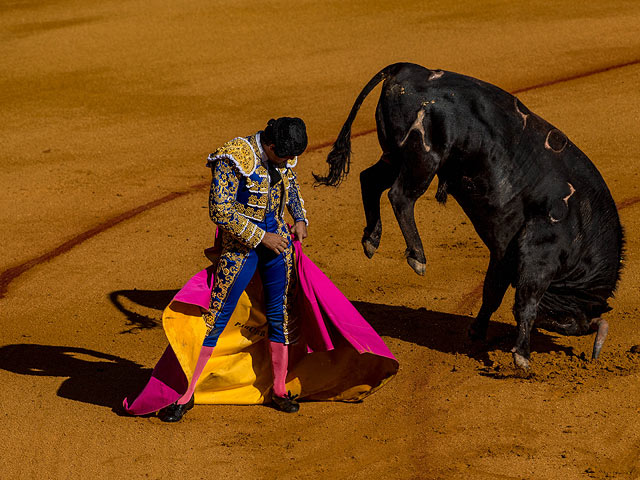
205,354
279,364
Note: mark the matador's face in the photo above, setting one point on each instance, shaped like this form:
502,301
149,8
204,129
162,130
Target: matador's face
275,159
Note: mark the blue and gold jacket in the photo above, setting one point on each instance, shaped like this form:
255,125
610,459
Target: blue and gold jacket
239,192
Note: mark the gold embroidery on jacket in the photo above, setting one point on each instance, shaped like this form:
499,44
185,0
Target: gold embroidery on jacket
241,153
229,266
223,207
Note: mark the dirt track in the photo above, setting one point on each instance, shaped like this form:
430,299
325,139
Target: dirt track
107,106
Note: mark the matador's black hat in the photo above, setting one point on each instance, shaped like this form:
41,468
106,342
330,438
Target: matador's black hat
288,134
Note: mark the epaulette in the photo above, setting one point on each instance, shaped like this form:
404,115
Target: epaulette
240,152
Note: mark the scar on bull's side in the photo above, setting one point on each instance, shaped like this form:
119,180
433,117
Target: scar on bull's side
436,74
419,126
523,115
556,141
571,192
566,203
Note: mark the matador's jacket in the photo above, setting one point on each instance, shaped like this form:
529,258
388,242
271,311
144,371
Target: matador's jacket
246,200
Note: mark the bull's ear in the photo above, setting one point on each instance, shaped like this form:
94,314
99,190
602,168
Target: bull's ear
441,194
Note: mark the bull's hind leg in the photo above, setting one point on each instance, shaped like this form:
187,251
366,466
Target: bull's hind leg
373,181
538,261
495,285
580,326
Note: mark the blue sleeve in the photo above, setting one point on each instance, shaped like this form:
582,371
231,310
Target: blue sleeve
295,204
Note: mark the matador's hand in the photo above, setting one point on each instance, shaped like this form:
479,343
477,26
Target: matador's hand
274,242
299,231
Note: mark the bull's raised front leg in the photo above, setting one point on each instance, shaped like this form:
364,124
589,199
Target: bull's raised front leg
373,181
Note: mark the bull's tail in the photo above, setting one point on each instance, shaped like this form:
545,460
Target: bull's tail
339,158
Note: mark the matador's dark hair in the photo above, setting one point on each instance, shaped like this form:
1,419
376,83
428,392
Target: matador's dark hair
288,134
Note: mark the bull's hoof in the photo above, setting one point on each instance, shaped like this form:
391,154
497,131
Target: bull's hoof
369,248
602,327
520,362
417,266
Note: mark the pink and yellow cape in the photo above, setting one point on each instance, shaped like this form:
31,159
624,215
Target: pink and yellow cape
340,357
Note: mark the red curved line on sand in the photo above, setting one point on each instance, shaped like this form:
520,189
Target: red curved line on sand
470,299
628,202
577,76
353,135
10,274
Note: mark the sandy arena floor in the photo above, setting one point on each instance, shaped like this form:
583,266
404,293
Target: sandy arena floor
109,109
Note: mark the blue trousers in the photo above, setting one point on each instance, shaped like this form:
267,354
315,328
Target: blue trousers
235,270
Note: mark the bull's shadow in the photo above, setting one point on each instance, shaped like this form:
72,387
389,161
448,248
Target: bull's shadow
440,331
91,377
447,332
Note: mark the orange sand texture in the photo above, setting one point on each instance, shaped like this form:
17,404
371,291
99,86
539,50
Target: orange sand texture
108,105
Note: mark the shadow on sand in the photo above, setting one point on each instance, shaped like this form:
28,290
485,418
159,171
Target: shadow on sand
103,379
440,331
92,377
447,332
154,299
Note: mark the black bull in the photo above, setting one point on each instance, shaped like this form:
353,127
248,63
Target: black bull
534,198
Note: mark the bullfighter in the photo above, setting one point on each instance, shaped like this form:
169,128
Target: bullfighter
252,183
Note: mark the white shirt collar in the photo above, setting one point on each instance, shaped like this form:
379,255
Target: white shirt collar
263,154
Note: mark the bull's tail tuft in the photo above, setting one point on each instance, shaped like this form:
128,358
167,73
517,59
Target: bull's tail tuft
339,158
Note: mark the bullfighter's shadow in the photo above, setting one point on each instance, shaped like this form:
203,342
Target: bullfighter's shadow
440,331
92,377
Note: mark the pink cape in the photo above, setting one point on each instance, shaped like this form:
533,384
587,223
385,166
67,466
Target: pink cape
328,319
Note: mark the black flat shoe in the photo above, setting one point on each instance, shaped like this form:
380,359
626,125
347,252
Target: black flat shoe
175,412
287,403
